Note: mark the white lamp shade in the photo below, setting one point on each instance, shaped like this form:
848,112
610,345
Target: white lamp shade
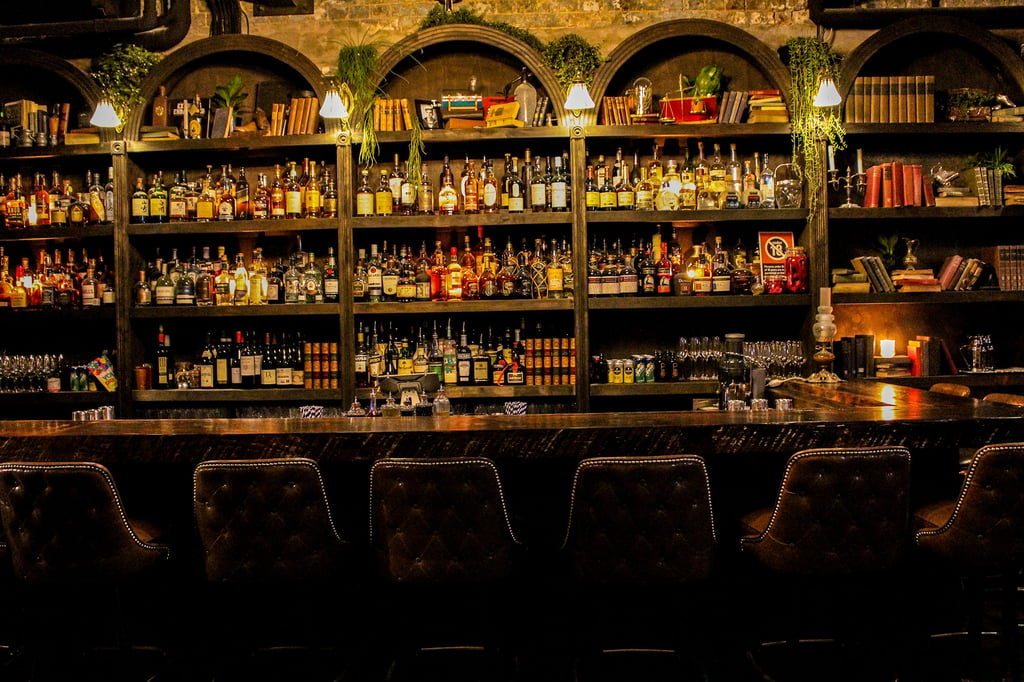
578,98
105,115
333,106
828,94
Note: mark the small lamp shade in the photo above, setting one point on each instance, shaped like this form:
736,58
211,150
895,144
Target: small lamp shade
579,97
105,115
828,95
887,348
333,106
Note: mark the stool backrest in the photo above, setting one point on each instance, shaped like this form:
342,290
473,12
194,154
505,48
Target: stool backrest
265,521
641,519
1006,399
947,388
986,528
65,522
839,511
440,521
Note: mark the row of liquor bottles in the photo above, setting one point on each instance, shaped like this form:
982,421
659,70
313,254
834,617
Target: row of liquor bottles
58,205
55,284
545,184
210,281
543,272
469,358
309,192
278,359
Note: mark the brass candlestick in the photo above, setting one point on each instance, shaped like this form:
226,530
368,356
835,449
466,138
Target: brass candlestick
849,181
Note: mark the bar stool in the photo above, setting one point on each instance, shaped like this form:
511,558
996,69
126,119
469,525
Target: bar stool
447,551
1006,399
275,560
79,558
980,535
640,530
841,520
947,388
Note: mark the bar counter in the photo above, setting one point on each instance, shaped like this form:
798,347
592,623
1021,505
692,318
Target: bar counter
848,413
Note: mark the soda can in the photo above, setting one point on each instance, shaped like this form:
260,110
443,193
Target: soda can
615,371
628,371
648,369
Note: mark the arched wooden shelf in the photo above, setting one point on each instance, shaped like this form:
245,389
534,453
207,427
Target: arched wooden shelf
18,59
1005,65
276,55
691,35
483,39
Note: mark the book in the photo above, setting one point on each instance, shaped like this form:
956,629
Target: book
897,184
851,288
914,353
947,357
953,201
949,270
873,187
874,85
724,105
864,353
875,263
887,187
927,192
929,99
883,99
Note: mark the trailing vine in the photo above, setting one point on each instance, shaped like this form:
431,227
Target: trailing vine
811,60
439,16
119,73
570,54
356,64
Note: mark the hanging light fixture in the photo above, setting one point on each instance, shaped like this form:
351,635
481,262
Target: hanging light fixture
105,116
333,106
578,99
827,95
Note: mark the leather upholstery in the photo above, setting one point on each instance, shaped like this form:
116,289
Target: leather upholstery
440,521
948,388
265,520
839,511
641,519
984,526
66,522
1006,399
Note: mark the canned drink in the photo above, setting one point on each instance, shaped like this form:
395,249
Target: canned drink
628,371
638,369
615,371
648,369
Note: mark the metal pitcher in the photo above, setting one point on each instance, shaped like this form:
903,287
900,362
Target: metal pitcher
978,353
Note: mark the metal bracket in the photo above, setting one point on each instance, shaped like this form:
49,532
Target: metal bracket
117,148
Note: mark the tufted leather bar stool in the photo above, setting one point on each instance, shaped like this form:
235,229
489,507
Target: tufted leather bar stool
275,559
980,534
949,388
446,547
839,527
640,530
76,552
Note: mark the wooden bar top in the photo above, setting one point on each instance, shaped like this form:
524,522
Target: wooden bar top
825,415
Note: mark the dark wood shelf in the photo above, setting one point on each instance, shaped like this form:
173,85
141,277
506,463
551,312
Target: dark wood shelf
254,143
447,135
174,311
951,297
685,130
656,388
660,302
47,233
458,307
24,398
704,216
488,392
925,212
105,313
227,395
462,220
285,226
101,149
937,128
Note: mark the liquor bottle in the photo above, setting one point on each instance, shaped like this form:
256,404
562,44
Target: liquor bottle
407,193
625,193
654,168
277,195
157,199
470,280
406,290
453,290
246,360
185,291
716,178
142,293
292,193
312,198
374,277
5,131
97,209
470,190
223,280
41,197
312,282
663,273
268,365
516,189
395,179
382,202
671,185
226,206
140,204
555,273
58,205
91,294
292,283
243,207
464,360
330,200
164,291
240,279
538,188
206,285
687,186
206,364
257,279
364,195
767,185
177,207
447,195
331,281
628,279
481,364
559,187
733,180
592,191
425,193
361,360
607,198
720,279
751,196
490,193
206,201
390,274
164,360
701,169
644,193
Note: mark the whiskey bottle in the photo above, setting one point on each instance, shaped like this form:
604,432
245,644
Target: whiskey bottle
277,195
425,193
364,195
559,187
312,206
395,180
625,194
592,190
142,293
240,282
447,195
490,196
139,212
516,189
538,189
330,200
331,291
157,200
243,207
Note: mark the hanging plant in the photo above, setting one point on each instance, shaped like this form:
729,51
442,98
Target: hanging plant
439,16
811,60
357,63
119,73
570,54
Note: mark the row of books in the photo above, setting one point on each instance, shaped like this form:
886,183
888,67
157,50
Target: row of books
989,186
1008,261
617,110
766,106
895,184
930,356
392,114
891,99
961,273
300,117
855,356
926,356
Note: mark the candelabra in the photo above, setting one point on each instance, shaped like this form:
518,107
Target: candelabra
849,182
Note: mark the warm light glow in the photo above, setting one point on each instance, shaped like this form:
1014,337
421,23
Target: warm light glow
333,106
887,348
828,94
579,97
105,115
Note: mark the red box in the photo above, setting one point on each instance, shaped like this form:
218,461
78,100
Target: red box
690,109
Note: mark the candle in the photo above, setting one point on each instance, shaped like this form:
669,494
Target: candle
887,348
826,297
831,158
860,160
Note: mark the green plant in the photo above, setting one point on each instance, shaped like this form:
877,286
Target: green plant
998,160
569,55
707,83
230,96
810,61
960,101
439,16
119,73
887,249
357,63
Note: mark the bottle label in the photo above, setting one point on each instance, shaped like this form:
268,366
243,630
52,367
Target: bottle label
292,203
538,195
558,195
140,207
225,211
624,199
627,284
331,288
268,377
406,291
284,376
312,202
608,200
248,366
383,203
555,280
108,296
236,376
157,207
178,209
407,194
423,291
164,295
645,200
447,200
701,285
515,204
205,376
274,292
204,210
490,196
389,285
720,284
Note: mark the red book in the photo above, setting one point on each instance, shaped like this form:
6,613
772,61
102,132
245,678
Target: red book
873,187
927,193
887,186
917,184
908,185
897,184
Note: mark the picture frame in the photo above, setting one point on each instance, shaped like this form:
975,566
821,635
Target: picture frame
429,113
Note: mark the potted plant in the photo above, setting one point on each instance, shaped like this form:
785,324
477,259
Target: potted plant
989,170
119,73
569,55
969,104
229,97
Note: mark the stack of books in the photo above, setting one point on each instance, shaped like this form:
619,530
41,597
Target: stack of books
394,114
895,184
891,99
849,281
908,281
617,110
960,273
300,117
930,356
733,106
988,185
766,106
874,269
1013,195
1008,115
